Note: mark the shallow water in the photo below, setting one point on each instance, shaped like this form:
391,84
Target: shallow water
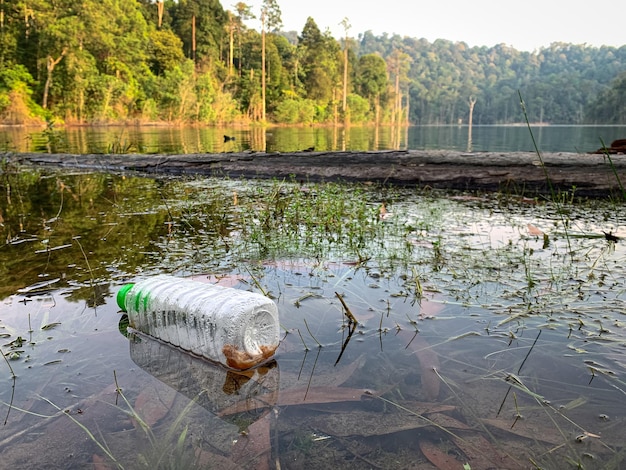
479,339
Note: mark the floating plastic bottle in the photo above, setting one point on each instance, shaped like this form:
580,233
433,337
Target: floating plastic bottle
237,328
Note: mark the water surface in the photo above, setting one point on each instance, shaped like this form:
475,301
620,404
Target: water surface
183,140
490,327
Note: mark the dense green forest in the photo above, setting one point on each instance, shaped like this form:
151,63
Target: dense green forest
192,61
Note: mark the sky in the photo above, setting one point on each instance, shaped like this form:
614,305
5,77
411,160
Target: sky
525,25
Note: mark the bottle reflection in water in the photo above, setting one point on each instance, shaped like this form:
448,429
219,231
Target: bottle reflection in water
239,397
237,328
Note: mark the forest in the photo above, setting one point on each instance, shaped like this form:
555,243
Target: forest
194,62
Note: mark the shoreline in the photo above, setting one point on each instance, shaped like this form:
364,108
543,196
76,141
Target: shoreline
519,173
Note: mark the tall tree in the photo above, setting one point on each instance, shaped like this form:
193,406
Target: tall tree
372,80
270,20
321,62
346,26
207,19
244,13
399,65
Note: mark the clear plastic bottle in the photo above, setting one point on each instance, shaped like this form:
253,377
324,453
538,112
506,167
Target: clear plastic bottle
237,328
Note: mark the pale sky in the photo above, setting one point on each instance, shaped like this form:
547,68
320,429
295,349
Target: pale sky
525,25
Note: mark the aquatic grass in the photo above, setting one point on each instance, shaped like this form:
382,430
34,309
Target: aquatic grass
168,451
555,200
122,145
607,155
13,379
287,219
544,417
102,445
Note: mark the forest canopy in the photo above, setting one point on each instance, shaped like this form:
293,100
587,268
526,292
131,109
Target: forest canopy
192,61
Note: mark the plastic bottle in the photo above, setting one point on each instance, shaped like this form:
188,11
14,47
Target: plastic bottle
237,328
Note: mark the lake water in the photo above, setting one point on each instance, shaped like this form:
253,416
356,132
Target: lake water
490,328
174,140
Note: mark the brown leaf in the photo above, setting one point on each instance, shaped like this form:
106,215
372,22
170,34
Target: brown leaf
366,423
526,429
255,445
448,422
153,403
482,454
375,423
438,458
428,361
301,396
99,463
534,231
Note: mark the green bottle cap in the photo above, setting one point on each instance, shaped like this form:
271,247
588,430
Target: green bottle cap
121,296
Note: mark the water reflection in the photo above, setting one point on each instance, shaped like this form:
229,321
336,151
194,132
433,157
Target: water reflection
185,140
240,397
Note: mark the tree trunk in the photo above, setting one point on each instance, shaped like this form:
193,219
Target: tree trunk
472,102
193,38
345,76
231,45
263,66
408,108
160,6
398,105
50,65
377,110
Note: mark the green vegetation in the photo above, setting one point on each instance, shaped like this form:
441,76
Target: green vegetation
192,61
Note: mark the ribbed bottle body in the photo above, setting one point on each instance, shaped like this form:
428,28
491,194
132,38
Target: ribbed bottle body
237,328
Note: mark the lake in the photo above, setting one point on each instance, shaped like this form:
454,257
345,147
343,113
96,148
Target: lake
490,328
183,140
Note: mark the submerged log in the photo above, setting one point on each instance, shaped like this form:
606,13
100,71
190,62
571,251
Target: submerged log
517,173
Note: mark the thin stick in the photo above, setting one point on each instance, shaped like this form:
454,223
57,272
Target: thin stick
345,343
309,330
91,276
256,283
528,353
347,311
118,390
299,333
518,372
13,377
88,432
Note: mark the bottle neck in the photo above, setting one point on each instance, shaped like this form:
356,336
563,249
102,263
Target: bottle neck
121,296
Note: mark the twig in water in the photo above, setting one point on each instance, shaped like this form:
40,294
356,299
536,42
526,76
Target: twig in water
91,276
306,348
347,311
345,343
518,372
257,283
309,330
13,377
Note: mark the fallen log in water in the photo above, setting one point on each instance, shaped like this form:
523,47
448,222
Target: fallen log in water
519,173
